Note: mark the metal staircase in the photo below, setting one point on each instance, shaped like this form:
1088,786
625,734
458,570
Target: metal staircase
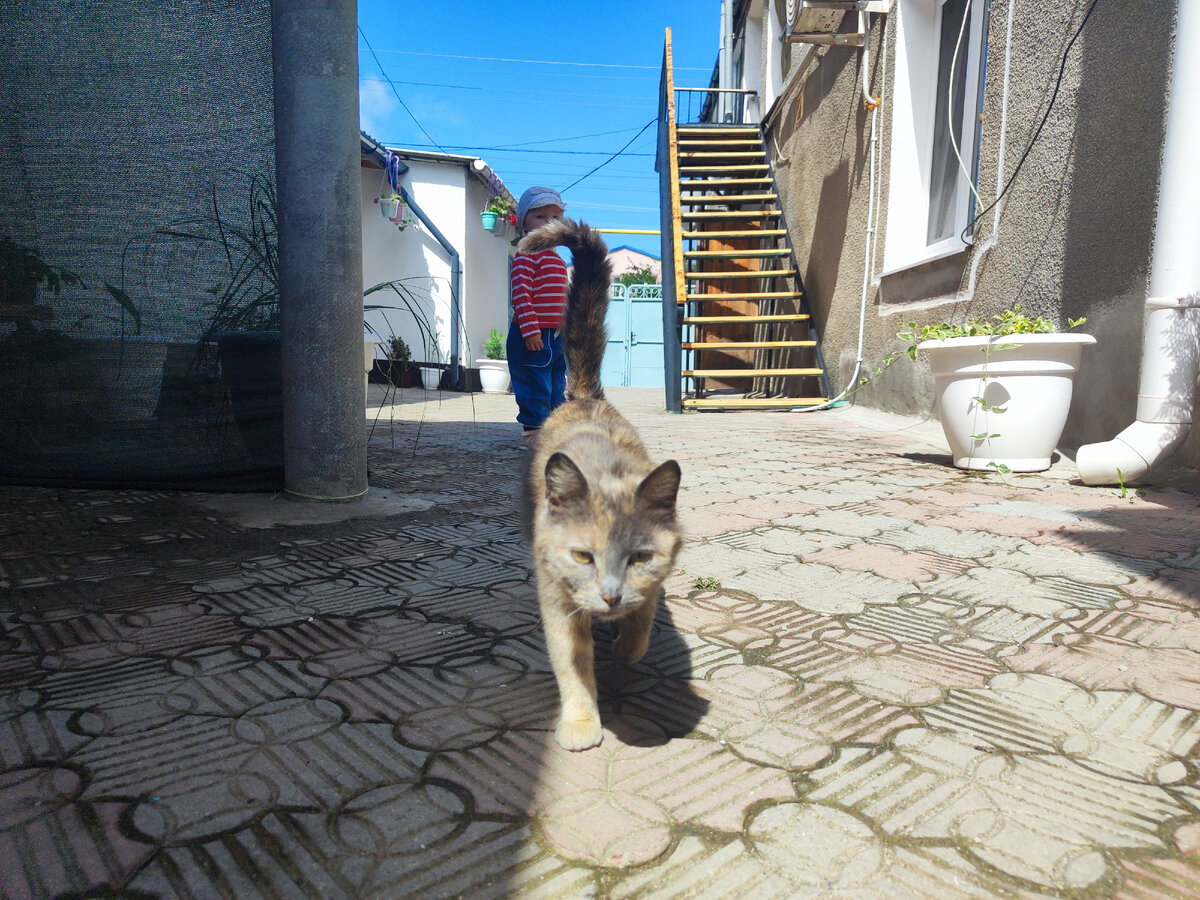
733,297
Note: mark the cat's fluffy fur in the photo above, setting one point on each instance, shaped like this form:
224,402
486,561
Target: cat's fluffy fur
600,515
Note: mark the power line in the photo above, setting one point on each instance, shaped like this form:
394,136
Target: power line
611,158
538,62
396,92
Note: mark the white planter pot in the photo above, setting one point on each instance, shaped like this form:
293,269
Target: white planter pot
430,378
369,345
1030,376
494,377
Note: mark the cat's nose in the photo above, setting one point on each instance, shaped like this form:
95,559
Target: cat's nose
611,599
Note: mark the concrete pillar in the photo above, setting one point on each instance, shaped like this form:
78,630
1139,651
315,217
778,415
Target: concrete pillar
315,54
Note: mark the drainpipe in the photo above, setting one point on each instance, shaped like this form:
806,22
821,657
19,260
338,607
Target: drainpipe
1171,341
455,286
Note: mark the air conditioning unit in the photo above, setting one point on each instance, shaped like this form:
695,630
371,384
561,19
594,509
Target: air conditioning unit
818,21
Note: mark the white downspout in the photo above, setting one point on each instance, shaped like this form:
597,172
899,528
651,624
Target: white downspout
1171,341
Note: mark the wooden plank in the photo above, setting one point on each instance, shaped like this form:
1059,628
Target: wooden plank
748,273
746,373
710,170
717,129
736,254
701,156
712,184
698,214
702,199
751,295
728,320
753,402
744,345
719,235
724,143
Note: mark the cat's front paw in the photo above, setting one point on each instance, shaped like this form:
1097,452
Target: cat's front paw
578,734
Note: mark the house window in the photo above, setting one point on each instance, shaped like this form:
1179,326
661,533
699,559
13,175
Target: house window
934,134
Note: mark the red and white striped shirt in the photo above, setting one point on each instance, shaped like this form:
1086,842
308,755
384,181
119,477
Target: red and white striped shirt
539,291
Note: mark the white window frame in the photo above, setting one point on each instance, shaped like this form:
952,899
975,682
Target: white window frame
918,27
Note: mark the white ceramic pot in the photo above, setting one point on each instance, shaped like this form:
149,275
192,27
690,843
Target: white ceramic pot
494,377
369,345
430,378
1029,376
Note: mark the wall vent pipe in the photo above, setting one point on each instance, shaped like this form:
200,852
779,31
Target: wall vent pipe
1171,338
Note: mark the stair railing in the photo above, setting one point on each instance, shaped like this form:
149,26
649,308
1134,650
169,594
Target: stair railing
670,224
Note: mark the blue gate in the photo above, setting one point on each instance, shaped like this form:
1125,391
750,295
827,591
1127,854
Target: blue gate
634,357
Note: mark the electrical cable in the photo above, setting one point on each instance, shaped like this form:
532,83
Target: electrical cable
970,226
538,62
611,158
396,92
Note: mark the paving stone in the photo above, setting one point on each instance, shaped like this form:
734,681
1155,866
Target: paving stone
872,675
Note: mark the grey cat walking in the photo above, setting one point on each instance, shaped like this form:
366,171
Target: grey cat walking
600,515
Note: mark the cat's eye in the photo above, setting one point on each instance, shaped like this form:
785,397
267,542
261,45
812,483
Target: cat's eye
640,557
582,556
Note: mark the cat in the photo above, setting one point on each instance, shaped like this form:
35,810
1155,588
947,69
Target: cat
600,516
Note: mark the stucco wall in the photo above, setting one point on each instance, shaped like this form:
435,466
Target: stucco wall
452,200
1075,234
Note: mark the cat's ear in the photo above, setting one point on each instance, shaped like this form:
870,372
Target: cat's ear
565,484
659,489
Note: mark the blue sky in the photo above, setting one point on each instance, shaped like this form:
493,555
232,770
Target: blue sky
544,92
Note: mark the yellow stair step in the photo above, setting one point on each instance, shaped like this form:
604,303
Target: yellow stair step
752,402
746,373
744,169
729,235
749,295
744,345
731,214
700,184
715,130
725,142
731,320
695,200
708,156
747,273
736,254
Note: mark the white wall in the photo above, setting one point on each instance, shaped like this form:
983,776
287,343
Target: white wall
414,257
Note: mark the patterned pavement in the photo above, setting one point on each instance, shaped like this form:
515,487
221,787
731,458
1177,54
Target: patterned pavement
874,676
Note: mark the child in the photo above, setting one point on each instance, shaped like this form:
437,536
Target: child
539,296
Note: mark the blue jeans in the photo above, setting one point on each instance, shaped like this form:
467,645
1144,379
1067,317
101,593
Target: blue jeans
539,378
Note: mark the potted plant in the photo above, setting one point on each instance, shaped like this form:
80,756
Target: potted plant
497,215
432,370
395,370
389,204
1002,386
493,368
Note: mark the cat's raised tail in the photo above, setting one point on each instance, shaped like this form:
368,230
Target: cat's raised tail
585,335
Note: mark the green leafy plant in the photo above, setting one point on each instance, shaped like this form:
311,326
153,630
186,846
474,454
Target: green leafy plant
493,347
501,206
1012,321
398,351
638,275
707,583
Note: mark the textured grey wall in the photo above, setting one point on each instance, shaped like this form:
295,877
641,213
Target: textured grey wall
1076,231
117,118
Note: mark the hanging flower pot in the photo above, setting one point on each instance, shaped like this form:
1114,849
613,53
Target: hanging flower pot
488,220
389,206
